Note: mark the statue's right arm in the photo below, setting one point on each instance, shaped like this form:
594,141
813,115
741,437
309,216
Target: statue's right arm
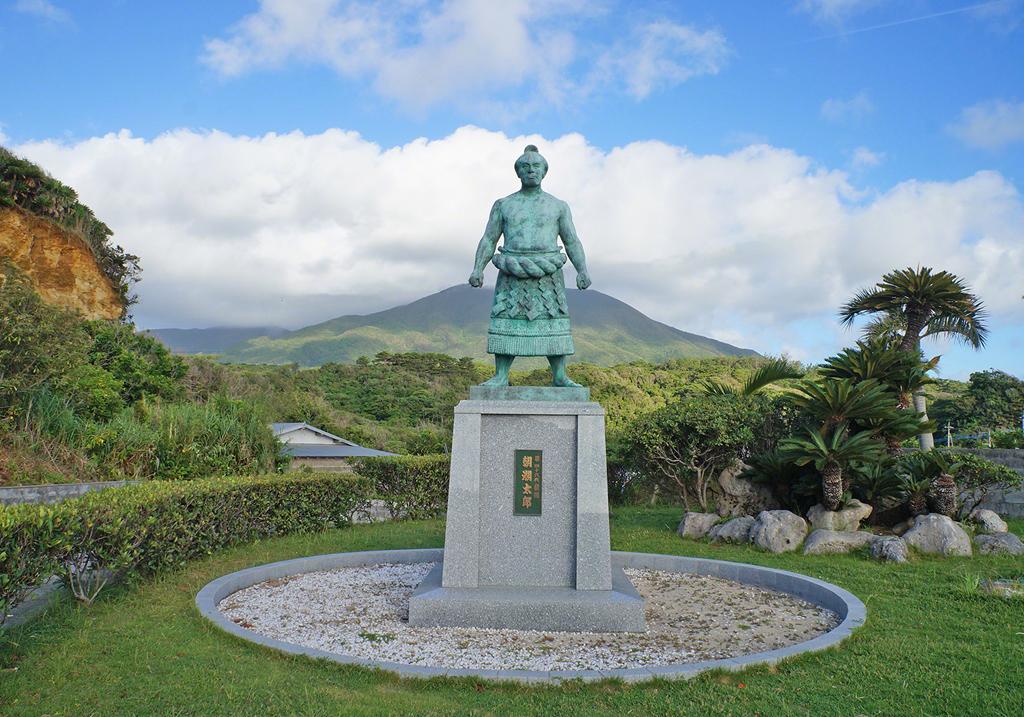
488,243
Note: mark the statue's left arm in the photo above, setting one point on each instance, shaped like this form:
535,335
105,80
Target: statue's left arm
573,247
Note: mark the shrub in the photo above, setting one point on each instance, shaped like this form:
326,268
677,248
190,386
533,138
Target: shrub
1008,439
977,477
412,487
160,525
32,544
687,443
93,391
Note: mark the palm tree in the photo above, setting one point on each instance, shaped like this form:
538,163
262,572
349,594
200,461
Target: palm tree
830,457
921,303
770,372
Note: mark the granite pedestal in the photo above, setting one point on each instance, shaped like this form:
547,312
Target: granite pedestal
548,571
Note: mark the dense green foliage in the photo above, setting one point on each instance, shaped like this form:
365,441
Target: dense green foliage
684,445
993,400
1008,439
82,400
28,187
141,650
410,486
156,526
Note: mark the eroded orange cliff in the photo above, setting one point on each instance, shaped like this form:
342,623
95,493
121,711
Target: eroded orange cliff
59,263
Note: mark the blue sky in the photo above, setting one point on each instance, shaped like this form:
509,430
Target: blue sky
888,114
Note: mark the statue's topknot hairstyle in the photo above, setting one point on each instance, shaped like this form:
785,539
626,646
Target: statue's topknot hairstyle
531,149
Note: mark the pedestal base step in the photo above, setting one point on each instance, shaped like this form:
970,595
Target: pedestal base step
528,393
620,609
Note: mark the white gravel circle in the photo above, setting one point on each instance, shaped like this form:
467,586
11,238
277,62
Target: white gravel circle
361,612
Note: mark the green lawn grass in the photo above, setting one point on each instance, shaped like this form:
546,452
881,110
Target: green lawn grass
928,648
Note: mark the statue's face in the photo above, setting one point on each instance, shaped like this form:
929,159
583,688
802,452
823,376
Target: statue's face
531,170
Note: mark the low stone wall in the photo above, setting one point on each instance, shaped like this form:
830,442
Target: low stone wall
54,492
1009,457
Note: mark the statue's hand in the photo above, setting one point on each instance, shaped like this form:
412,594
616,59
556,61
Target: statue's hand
476,280
583,280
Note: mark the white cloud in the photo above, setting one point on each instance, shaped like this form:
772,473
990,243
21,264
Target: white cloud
835,12
464,51
864,158
290,229
43,9
665,53
839,110
990,125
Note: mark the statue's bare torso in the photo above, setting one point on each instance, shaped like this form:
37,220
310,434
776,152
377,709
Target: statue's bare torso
531,222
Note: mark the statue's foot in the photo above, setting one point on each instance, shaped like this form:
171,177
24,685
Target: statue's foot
496,380
565,382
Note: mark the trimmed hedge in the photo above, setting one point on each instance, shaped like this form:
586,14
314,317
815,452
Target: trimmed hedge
412,487
158,525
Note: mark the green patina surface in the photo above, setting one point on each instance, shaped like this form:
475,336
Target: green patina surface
528,393
529,316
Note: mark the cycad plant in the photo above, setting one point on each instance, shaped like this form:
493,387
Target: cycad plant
832,402
915,492
877,484
931,475
831,454
943,494
903,372
920,302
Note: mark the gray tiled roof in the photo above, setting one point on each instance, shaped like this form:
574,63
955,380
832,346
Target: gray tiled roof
316,450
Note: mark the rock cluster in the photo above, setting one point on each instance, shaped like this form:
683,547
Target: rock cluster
780,531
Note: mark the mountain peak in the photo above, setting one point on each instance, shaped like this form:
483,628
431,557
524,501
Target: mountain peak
606,331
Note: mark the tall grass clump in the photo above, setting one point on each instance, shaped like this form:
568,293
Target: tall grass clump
185,441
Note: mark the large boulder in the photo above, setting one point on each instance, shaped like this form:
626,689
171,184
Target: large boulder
999,544
823,542
739,497
778,531
696,525
988,521
938,535
736,530
845,520
892,549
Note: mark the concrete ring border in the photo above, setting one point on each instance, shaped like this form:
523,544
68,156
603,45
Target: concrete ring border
849,608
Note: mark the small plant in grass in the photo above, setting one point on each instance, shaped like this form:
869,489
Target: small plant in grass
377,637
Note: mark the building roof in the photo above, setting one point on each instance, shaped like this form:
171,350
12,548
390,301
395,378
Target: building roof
319,450
281,429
